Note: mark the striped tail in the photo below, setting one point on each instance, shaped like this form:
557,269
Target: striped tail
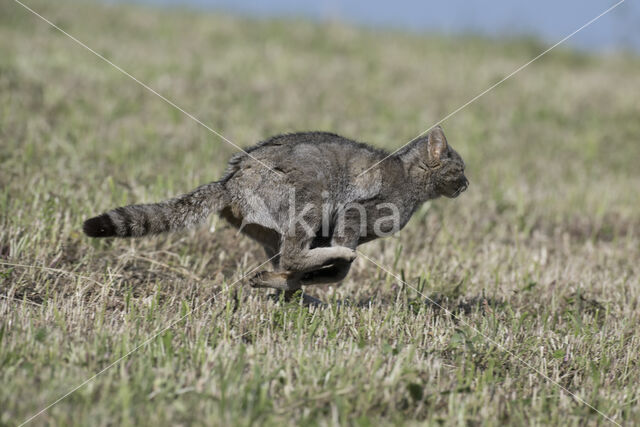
171,215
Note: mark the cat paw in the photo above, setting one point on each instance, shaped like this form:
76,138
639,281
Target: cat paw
272,279
257,281
346,254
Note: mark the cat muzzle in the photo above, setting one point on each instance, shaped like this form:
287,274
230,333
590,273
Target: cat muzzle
461,189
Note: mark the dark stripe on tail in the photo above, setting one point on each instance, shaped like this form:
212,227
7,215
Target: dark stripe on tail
99,226
146,225
126,221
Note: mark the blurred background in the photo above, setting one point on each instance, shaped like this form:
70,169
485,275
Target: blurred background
548,20
541,252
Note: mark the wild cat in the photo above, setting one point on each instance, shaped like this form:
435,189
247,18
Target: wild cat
308,198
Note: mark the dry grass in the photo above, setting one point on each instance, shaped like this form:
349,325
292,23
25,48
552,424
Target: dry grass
541,253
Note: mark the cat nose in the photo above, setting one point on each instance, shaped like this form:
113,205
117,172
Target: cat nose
466,184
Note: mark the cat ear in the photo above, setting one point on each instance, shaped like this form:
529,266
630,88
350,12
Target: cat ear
436,144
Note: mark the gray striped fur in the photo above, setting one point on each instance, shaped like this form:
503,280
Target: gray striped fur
184,211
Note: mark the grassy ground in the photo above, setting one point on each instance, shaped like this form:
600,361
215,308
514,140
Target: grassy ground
540,254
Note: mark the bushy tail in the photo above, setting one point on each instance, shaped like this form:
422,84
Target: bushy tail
140,220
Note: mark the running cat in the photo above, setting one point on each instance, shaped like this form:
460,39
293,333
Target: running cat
308,198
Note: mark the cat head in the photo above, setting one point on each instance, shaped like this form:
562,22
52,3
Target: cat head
441,164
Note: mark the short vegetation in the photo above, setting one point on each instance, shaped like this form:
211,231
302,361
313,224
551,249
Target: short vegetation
525,285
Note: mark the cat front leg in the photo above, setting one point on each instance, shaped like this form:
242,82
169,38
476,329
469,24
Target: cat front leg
280,280
345,236
314,266
326,275
299,265
302,261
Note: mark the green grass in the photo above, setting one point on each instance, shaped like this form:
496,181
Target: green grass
540,254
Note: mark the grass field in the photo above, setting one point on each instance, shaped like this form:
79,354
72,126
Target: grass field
538,260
